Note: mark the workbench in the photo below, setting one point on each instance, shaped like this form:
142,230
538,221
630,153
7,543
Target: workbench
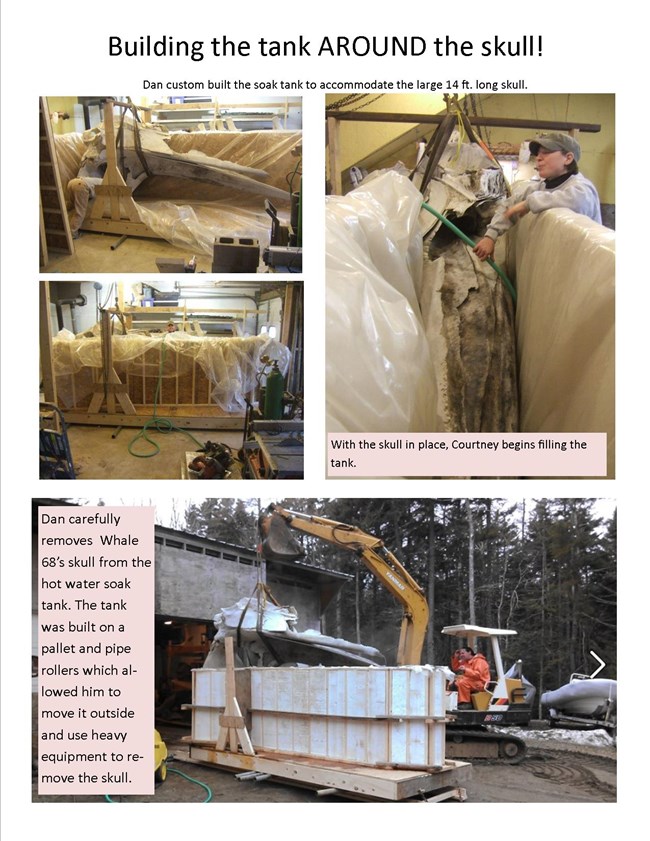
274,450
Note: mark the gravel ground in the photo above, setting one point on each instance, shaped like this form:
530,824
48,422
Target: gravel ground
556,769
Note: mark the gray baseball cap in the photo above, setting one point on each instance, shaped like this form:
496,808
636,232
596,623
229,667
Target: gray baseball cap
555,141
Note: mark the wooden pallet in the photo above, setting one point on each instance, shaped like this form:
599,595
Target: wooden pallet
356,782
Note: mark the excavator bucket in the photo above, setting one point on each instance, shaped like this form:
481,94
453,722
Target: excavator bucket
278,544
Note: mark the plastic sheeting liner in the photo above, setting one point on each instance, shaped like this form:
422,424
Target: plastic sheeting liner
189,213
230,364
565,267
379,372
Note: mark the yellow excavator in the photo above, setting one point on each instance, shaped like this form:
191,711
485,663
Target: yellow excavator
501,703
279,545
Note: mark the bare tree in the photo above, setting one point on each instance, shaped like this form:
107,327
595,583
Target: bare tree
470,563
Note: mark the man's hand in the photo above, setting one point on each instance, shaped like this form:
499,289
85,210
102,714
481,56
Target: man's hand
517,210
484,248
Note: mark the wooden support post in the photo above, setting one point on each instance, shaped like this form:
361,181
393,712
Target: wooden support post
288,312
45,344
232,731
334,156
110,386
114,210
107,358
290,333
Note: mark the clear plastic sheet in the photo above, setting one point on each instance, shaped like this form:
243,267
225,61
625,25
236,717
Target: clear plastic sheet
565,266
195,227
379,372
269,151
231,365
191,214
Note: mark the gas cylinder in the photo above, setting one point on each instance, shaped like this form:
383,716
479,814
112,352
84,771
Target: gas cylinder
274,393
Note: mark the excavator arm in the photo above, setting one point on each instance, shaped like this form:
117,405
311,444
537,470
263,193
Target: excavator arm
277,544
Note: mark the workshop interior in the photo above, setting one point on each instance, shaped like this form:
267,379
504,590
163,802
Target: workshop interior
520,342
171,379
175,184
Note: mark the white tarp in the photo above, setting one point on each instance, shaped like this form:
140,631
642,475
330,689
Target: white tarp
565,324
379,372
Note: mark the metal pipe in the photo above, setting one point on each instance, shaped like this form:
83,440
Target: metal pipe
79,301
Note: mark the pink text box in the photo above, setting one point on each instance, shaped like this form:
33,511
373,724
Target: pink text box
95,650
467,454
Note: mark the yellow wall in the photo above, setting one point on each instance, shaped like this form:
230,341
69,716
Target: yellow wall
66,104
357,140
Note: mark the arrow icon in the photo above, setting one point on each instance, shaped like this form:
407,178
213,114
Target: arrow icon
602,663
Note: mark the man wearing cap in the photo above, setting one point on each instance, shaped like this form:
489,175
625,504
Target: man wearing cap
561,186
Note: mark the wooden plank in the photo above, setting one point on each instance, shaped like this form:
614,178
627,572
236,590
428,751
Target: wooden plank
490,122
60,239
334,156
456,793
232,721
371,783
42,239
213,422
45,344
112,388
192,310
232,730
121,227
288,313
107,358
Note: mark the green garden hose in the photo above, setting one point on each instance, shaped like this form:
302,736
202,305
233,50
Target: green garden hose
472,244
109,799
156,424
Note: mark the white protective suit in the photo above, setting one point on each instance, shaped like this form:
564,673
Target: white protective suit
577,193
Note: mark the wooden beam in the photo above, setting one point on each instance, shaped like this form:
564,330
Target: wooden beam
334,153
45,344
232,732
351,780
188,307
186,421
490,122
110,386
288,314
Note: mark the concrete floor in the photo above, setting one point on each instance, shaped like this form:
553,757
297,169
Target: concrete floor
93,254
97,455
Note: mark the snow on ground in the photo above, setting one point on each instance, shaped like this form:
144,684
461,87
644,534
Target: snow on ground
591,738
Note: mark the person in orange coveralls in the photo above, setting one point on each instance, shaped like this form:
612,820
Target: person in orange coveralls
474,674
